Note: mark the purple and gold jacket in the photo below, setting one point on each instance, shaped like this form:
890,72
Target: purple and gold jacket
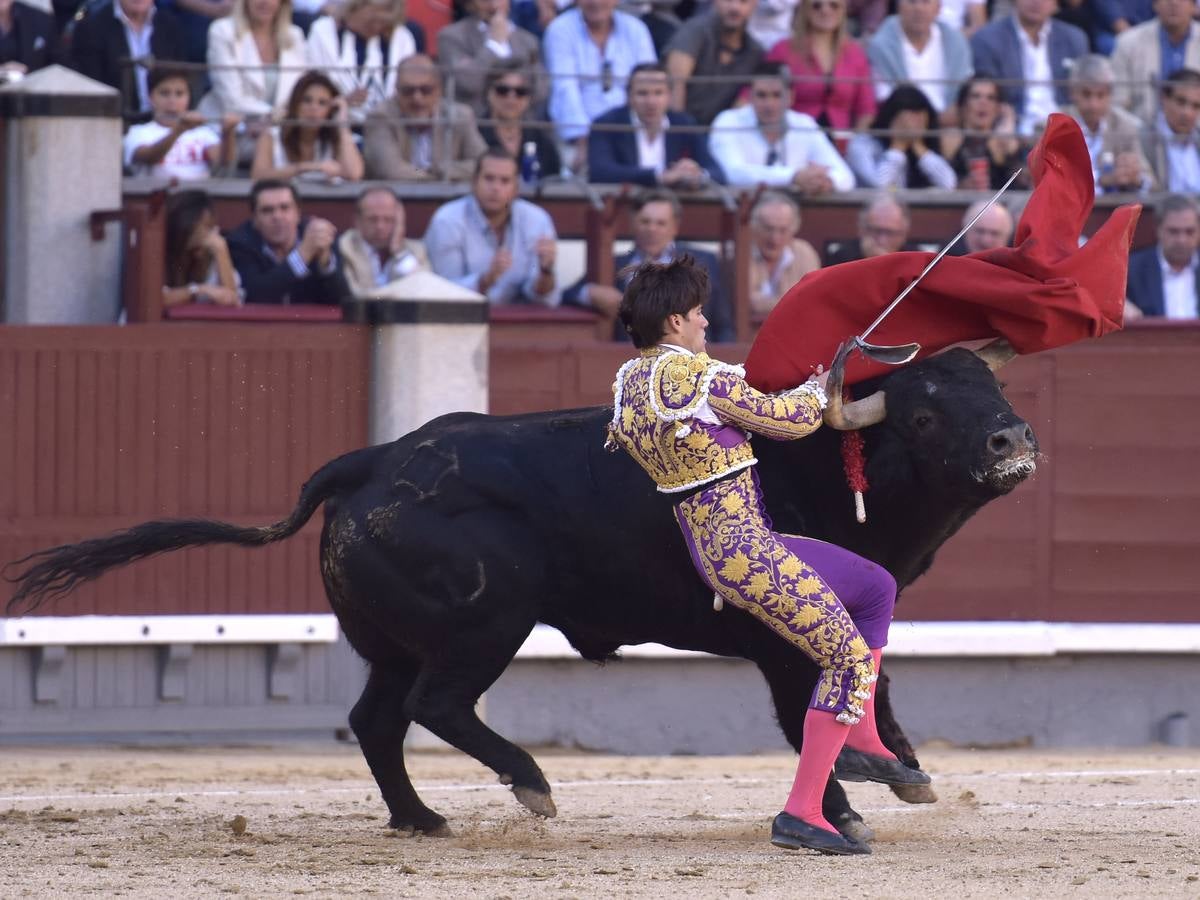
686,418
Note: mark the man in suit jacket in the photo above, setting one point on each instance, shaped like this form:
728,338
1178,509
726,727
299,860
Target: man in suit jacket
656,219
1113,136
282,258
1172,141
418,136
651,152
917,29
30,41
1029,46
376,251
1139,63
111,35
473,46
1163,278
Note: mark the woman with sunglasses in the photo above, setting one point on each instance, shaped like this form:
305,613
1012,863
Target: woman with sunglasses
830,72
902,149
506,125
986,150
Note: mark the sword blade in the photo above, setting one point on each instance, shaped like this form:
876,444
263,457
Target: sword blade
933,262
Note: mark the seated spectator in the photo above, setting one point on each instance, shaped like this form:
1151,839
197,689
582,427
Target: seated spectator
904,149
282,258
177,143
709,58
199,268
360,51
993,230
1113,135
882,228
375,251
656,219
28,40
474,46
660,20
985,150
110,35
493,242
1115,17
255,57
780,259
509,95
1173,146
590,51
766,142
830,74
866,16
1148,54
1162,278
654,151
1030,54
314,142
418,136
915,47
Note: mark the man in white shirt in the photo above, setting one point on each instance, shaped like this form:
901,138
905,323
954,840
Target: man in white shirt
766,142
1174,144
1162,278
1113,135
914,46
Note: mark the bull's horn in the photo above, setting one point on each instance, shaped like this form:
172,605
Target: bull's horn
996,354
849,416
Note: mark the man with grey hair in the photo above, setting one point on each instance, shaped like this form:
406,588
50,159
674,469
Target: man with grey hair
993,230
778,258
1163,278
882,228
1146,55
1112,134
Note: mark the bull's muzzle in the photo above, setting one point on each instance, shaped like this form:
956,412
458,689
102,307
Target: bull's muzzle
1012,455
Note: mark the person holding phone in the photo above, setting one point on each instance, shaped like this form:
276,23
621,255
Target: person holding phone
314,141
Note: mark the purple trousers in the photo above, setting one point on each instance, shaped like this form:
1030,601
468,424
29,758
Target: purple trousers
831,603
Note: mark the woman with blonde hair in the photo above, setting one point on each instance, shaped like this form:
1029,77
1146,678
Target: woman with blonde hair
314,141
361,51
830,71
255,57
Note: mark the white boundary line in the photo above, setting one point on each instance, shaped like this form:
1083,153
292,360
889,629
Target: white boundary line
359,787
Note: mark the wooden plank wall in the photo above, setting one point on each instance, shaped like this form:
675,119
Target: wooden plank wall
103,427
1106,531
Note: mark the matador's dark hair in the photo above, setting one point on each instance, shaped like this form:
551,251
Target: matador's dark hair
659,290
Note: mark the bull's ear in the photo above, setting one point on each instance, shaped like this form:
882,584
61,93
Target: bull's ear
996,354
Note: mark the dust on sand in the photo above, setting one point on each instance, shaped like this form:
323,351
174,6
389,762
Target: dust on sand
294,820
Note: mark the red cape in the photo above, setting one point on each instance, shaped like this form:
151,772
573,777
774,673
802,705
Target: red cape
1044,292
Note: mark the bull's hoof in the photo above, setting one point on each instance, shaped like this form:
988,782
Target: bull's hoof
856,830
435,827
914,793
536,801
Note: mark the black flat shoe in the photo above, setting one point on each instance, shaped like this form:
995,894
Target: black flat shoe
794,834
854,765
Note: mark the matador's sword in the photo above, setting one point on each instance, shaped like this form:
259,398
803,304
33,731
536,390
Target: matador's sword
902,353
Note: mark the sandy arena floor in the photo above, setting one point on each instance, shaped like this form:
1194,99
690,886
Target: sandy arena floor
158,823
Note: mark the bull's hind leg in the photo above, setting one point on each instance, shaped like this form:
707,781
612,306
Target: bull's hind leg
379,723
444,698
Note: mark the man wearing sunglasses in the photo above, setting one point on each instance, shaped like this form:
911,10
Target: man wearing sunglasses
767,142
471,47
418,136
643,143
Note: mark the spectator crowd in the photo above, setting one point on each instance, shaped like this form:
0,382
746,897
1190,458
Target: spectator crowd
798,98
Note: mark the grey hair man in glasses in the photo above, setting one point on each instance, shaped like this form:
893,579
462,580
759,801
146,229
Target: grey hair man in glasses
419,136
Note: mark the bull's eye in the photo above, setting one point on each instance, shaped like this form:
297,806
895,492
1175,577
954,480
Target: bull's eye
922,420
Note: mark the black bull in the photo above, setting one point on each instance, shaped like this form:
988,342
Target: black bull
442,550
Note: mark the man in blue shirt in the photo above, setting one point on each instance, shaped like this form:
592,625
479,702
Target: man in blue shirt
493,242
1173,144
590,52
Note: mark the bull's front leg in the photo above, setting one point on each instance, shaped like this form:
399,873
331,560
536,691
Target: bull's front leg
894,739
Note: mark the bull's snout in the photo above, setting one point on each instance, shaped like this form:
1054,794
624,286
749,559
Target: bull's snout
1016,440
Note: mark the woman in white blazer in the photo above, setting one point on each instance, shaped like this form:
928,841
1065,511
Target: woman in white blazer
255,57
361,54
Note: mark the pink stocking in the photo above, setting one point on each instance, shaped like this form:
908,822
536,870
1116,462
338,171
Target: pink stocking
865,736
823,739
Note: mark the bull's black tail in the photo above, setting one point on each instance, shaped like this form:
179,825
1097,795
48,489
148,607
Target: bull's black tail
56,571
